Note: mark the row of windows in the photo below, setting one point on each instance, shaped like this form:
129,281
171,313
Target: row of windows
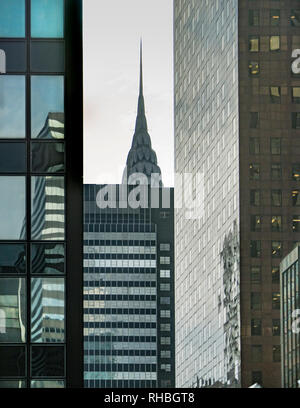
120,339
256,277
115,311
137,298
256,251
295,116
114,284
274,17
256,222
256,301
254,43
275,171
275,145
120,368
124,384
119,228
256,327
126,243
119,256
114,352
276,197
257,354
120,325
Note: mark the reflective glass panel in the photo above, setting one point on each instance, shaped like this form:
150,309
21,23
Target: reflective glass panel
12,258
12,361
12,310
47,310
12,207
47,18
12,106
12,384
12,158
47,361
12,18
47,384
47,157
47,259
48,208
47,107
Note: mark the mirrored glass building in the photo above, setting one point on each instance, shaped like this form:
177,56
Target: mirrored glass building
40,179
236,123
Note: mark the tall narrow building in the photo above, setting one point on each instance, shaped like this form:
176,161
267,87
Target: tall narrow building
236,122
41,168
128,274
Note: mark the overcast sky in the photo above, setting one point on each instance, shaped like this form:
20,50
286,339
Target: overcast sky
112,31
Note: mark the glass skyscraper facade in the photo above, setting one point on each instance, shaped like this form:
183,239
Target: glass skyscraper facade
236,122
290,318
37,181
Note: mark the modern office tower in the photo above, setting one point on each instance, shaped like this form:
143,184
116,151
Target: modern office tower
41,281
237,123
128,276
290,319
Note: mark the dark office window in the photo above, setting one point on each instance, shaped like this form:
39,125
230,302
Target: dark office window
275,93
255,249
255,301
257,377
254,171
254,17
276,198
254,120
274,17
256,353
295,18
47,18
275,275
255,221
296,94
47,361
296,223
47,56
47,157
12,158
276,354
255,274
12,18
253,68
12,384
254,145
253,43
296,120
255,197
275,145
296,198
256,327
276,301
12,361
276,223
276,249
276,327
274,43
12,106
296,172
276,171
12,258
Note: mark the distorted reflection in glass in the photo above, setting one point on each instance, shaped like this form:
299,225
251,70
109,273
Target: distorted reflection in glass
12,207
12,384
47,18
47,361
47,157
47,259
12,361
12,310
47,310
12,18
12,106
12,158
47,107
47,208
47,384
12,258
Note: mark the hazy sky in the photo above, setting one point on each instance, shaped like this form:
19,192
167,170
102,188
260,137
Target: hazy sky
112,31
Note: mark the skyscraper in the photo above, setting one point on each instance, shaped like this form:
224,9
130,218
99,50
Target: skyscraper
41,194
128,274
236,122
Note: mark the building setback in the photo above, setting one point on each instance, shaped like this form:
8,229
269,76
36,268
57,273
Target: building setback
128,278
237,122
